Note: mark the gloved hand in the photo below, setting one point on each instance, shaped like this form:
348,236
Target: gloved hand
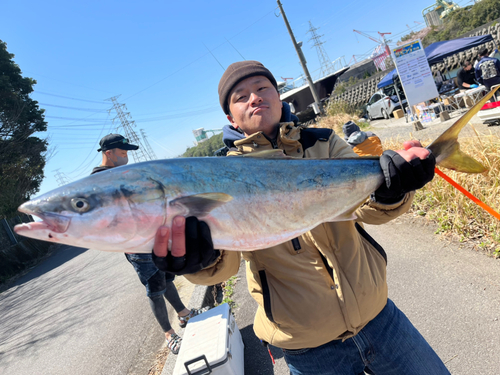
193,251
474,86
402,176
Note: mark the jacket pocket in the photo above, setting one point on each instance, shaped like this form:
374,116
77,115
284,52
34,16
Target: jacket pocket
294,247
372,242
266,295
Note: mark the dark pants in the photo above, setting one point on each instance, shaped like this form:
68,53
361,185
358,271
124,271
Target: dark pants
158,285
491,82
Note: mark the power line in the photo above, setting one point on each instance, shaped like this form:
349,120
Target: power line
76,119
88,155
68,97
74,108
68,83
141,153
192,62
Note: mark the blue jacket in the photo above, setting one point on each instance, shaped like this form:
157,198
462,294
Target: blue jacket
486,68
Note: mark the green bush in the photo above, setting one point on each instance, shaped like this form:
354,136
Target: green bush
206,148
463,20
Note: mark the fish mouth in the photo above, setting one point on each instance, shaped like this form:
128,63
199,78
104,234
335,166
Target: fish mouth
50,221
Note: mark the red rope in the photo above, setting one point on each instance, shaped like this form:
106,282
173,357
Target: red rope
484,206
270,354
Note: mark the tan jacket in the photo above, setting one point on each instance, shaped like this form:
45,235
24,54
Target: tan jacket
302,302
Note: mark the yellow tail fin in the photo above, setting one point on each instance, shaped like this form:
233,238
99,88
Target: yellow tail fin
446,147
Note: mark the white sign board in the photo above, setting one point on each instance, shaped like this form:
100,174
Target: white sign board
415,72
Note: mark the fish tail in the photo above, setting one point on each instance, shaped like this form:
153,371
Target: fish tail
446,148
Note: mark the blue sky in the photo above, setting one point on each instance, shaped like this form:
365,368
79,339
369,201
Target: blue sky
164,60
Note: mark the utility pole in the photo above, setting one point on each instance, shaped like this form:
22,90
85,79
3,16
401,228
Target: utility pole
318,108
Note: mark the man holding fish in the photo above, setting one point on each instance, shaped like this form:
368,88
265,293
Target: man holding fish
323,294
297,195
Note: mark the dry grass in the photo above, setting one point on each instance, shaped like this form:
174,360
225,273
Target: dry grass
335,122
456,214
161,358
337,114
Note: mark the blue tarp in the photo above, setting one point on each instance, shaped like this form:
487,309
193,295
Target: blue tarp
388,79
438,51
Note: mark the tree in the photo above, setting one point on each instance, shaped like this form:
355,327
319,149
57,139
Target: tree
22,155
206,148
463,20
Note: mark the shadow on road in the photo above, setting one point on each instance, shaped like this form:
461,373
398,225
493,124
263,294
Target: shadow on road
60,305
60,256
257,359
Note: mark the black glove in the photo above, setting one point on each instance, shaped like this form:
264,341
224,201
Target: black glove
402,176
200,251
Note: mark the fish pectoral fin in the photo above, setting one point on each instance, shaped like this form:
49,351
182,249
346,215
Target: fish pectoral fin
268,154
201,205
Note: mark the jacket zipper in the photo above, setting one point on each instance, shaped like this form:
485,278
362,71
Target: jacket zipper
266,295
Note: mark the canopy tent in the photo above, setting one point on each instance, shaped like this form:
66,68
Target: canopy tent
437,52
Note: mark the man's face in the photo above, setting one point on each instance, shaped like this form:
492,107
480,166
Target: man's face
117,156
468,67
255,106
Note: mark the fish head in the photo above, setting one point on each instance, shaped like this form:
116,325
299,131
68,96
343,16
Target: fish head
115,210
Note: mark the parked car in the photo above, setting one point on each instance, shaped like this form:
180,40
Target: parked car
382,105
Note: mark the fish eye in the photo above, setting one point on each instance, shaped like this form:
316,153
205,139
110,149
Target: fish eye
80,205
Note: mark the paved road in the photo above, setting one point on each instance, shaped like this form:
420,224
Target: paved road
451,295
84,312
81,313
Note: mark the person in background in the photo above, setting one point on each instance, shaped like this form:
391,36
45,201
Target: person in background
466,78
488,70
114,148
362,143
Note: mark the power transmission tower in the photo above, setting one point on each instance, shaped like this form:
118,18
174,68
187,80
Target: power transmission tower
152,155
61,178
140,154
326,64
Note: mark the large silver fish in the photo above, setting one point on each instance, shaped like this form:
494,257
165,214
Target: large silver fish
250,203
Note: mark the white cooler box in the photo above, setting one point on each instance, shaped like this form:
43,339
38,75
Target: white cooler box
211,344
490,112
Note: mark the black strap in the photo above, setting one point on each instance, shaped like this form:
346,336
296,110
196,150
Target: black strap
370,239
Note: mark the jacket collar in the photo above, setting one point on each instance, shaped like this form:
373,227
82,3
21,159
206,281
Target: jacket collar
231,134
287,140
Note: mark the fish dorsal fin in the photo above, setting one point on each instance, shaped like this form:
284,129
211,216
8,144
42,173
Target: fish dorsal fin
446,147
201,205
267,154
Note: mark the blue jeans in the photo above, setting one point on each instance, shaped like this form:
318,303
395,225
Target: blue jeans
151,277
388,345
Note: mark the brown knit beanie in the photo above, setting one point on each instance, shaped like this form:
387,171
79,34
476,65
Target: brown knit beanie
237,72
